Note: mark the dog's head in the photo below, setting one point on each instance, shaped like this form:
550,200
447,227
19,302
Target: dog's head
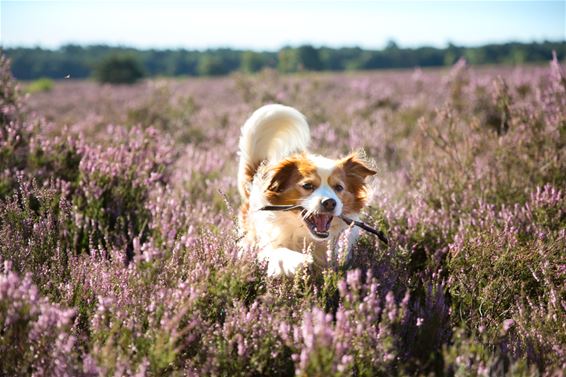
325,188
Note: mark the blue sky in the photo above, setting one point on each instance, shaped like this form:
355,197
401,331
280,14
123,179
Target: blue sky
269,25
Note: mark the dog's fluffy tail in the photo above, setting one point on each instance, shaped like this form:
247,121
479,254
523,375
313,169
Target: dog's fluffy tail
273,132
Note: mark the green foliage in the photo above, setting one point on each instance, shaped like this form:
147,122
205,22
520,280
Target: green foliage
266,356
32,224
224,288
253,61
211,65
490,288
119,69
40,85
288,60
60,161
309,58
15,133
118,212
33,63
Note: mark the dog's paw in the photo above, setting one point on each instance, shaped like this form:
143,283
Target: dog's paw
283,261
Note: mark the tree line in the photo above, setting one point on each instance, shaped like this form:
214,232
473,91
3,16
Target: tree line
82,61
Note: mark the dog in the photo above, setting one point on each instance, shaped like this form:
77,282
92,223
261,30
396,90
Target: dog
277,169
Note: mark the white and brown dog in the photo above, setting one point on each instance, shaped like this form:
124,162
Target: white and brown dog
276,169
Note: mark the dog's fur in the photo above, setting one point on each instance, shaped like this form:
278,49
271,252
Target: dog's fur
276,169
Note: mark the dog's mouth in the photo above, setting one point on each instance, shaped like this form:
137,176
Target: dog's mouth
319,224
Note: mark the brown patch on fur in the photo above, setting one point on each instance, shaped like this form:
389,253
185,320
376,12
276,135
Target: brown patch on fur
249,174
351,172
243,216
356,166
283,188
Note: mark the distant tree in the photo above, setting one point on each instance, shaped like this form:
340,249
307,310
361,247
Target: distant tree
309,58
428,57
475,55
184,62
81,61
391,45
157,62
211,65
119,69
452,53
252,61
72,49
288,60
340,59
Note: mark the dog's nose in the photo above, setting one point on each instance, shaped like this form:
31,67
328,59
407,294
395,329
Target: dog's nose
328,204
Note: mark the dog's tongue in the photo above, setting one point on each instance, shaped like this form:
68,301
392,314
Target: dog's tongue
322,222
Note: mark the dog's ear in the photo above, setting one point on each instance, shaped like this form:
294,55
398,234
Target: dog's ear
355,165
284,175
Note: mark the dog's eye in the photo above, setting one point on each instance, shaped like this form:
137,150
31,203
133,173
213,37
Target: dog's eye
308,186
338,188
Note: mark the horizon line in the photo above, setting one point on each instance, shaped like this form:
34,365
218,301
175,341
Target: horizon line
294,45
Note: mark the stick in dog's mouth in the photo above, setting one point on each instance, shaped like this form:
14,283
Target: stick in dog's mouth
347,220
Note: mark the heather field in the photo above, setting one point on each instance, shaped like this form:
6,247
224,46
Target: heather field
118,233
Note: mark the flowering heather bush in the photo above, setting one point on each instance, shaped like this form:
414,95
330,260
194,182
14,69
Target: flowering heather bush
36,335
118,240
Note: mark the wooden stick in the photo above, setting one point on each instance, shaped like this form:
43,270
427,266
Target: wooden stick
281,208
367,228
347,220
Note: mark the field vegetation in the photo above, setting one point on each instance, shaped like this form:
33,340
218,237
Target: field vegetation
118,239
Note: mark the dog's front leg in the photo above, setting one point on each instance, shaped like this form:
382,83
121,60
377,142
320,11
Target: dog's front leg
281,260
